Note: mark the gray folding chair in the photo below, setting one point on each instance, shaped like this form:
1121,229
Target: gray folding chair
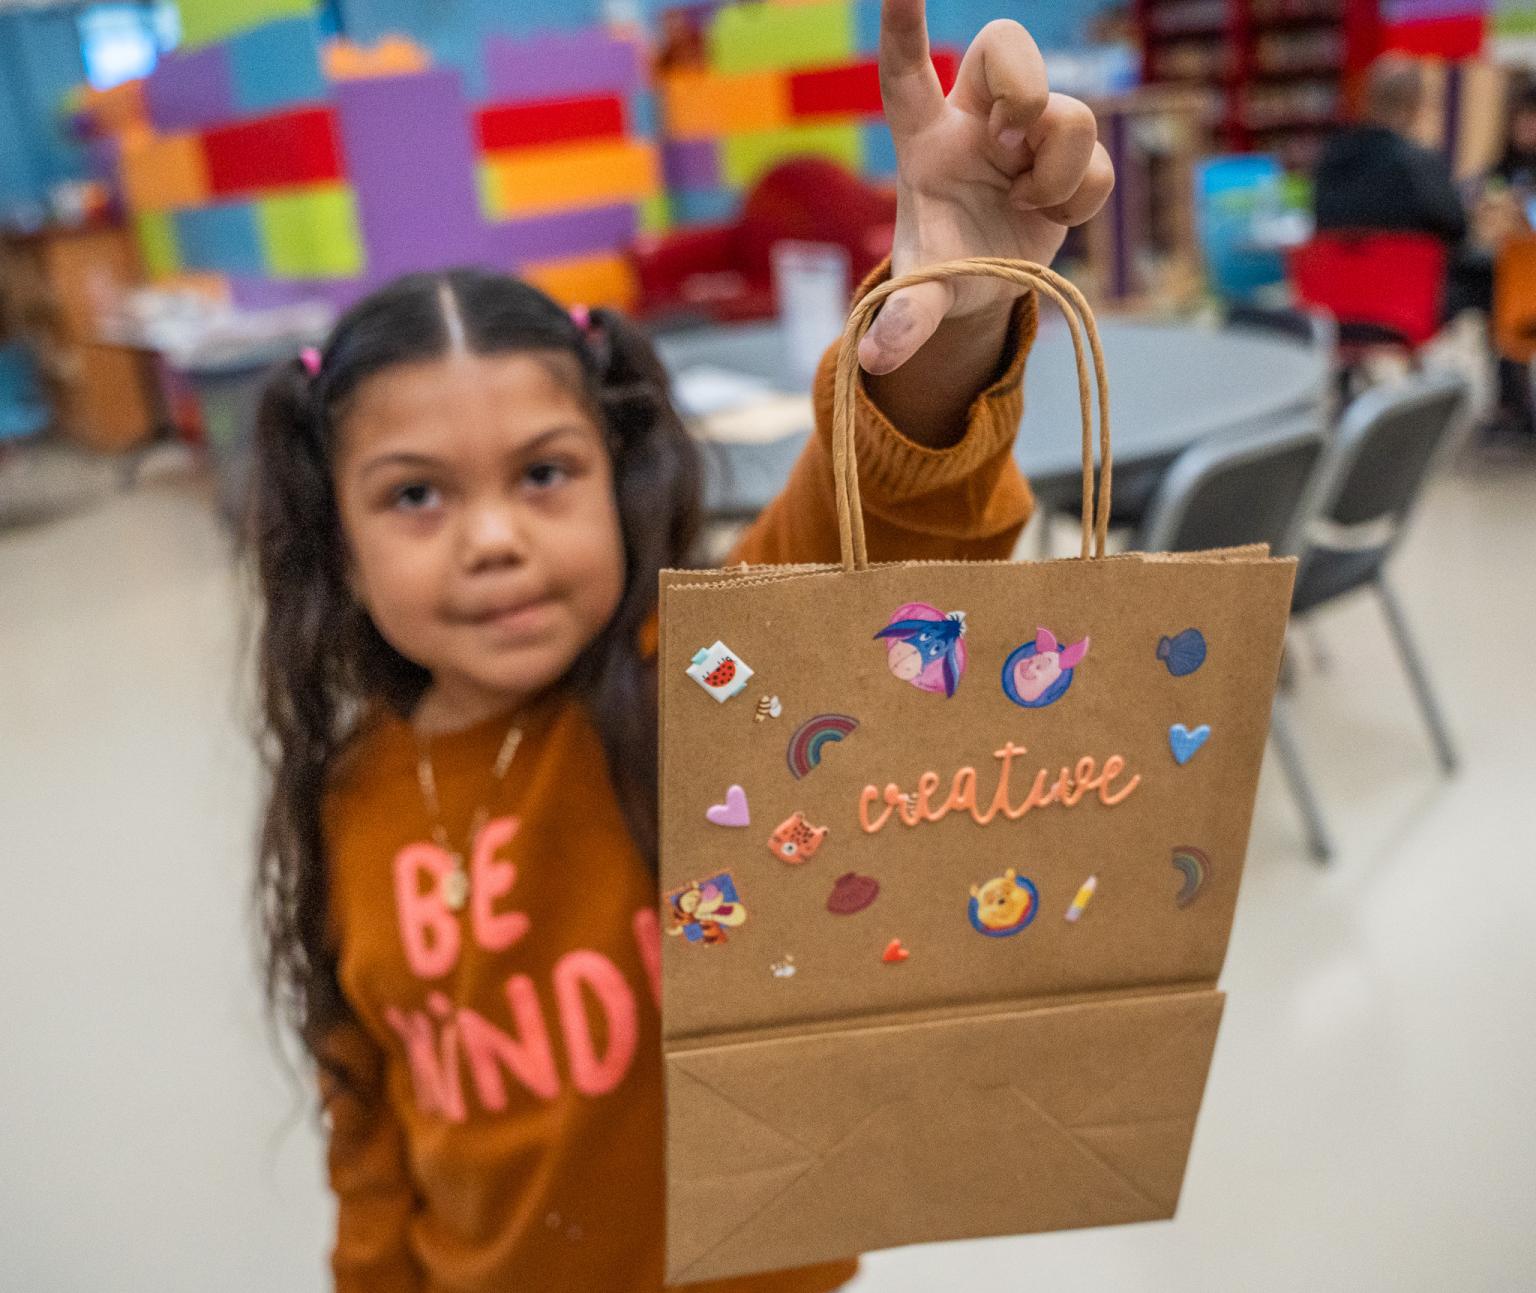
1229,491
1358,509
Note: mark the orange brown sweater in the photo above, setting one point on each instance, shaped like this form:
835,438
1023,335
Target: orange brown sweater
504,1127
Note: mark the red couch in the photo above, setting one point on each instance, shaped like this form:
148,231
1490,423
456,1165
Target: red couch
723,272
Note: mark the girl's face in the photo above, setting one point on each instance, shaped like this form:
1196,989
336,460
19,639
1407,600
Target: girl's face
476,497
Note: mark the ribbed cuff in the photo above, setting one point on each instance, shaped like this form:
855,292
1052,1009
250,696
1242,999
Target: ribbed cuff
893,466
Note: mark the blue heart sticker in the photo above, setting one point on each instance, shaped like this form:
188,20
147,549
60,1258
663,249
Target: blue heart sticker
1185,743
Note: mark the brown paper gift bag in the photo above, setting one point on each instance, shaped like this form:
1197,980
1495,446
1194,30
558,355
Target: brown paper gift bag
944,925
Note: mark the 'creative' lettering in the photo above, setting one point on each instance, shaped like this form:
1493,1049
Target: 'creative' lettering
1071,786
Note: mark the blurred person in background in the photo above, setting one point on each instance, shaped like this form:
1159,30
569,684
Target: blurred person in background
1372,176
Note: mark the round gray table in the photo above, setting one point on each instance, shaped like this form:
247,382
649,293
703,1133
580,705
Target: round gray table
1170,385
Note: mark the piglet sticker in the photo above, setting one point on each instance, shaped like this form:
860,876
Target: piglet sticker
1038,673
925,647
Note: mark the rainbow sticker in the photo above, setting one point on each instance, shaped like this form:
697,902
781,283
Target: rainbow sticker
812,736
1195,867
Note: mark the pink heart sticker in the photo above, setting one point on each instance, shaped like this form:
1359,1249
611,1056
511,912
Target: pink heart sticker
733,812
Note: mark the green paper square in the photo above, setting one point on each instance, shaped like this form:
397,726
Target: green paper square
156,235
205,21
772,38
311,233
746,157
485,184
656,214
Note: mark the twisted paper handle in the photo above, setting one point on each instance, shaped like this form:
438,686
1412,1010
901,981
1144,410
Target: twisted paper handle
850,512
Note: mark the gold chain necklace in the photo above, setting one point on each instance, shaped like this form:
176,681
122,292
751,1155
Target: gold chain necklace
455,884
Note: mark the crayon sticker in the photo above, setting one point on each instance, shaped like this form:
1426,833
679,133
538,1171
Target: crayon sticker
703,911
719,671
1084,895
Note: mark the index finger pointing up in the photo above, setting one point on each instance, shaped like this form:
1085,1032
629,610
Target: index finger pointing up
909,86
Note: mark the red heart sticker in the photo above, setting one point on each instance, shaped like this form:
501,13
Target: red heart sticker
895,952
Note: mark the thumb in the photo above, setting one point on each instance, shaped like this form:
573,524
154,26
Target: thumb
906,320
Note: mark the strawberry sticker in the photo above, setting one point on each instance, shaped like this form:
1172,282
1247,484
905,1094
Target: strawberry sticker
720,671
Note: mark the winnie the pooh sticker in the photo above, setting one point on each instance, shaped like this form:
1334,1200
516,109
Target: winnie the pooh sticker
1003,906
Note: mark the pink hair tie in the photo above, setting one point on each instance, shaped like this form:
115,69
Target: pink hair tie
581,317
310,358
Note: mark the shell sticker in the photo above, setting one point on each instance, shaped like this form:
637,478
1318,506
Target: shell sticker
719,671
796,840
1003,906
1183,653
925,647
703,911
1038,673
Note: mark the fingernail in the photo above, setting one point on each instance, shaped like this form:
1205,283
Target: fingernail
1010,138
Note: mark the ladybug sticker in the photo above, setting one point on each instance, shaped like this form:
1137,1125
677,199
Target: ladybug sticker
719,671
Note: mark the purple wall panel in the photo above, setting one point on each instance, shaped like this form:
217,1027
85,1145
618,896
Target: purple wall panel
411,158
691,164
554,237
561,65
191,91
272,293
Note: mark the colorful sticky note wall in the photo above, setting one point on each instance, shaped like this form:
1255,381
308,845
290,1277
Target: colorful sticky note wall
281,160
780,80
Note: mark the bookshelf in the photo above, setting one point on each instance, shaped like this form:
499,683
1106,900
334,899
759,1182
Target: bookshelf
1273,75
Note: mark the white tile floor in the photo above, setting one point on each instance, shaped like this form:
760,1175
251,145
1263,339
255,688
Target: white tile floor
1370,1122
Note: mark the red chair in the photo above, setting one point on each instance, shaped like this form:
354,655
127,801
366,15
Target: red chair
1385,289
724,273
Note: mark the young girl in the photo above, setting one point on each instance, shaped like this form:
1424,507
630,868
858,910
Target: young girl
463,503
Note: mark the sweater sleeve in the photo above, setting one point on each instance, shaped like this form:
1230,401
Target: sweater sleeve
966,502
367,1169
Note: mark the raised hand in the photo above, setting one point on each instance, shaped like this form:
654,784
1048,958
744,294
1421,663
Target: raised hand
999,167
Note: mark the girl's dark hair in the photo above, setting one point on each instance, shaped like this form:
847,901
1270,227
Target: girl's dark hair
322,660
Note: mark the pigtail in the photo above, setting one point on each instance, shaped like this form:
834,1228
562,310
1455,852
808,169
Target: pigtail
656,475
318,657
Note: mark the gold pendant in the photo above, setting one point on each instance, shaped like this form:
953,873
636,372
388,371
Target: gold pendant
456,887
